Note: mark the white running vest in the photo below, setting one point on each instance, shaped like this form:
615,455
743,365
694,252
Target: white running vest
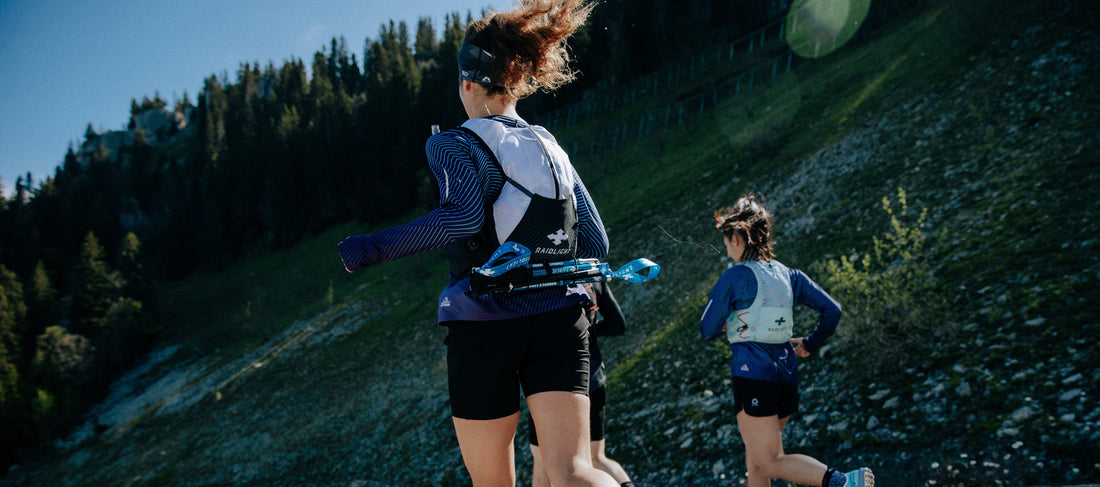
523,160
769,319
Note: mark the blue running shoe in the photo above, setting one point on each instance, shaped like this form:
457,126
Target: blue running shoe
860,477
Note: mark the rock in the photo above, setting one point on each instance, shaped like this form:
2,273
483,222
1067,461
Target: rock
1070,395
1022,414
1035,321
878,395
963,390
938,390
718,468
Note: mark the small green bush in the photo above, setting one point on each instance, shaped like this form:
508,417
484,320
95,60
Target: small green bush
895,309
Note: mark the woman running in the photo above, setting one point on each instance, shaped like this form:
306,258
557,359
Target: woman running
503,180
751,305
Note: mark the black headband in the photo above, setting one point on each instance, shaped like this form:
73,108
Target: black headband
476,64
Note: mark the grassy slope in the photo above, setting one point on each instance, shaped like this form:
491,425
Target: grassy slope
351,382
997,177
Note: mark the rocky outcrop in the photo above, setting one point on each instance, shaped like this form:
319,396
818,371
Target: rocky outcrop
158,125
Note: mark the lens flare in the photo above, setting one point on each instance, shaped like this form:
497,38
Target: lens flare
816,28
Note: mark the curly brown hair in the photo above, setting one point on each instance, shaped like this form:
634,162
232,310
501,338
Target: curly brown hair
749,220
528,44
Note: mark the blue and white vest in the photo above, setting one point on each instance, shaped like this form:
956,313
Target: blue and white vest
536,205
769,319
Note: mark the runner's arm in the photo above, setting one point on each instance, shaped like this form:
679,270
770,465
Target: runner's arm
591,236
612,322
808,293
459,213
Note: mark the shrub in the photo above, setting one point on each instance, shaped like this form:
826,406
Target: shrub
895,309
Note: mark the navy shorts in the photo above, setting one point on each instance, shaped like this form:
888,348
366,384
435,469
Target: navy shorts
762,398
489,361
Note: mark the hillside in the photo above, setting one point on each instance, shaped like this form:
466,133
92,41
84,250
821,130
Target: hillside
971,363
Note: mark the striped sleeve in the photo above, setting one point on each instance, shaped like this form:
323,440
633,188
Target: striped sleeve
460,212
458,215
591,237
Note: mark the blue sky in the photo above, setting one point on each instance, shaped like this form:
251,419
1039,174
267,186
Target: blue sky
65,63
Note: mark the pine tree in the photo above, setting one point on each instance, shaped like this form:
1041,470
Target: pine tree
91,289
212,120
207,180
137,285
12,313
350,76
12,417
140,177
90,133
182,105
130,266
436,102
427,45
42,310
22,191
6,230
54,230
20,248
393,82
123,339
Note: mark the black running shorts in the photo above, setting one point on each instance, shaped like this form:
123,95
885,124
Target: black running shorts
488,361
761,398
596,422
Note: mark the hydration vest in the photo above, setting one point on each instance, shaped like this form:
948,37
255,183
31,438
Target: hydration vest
769,319
535,207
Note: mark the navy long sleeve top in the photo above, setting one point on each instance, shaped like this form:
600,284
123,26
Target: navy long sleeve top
736,290
464,176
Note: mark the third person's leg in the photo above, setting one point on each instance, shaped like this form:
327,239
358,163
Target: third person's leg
602,462
764,451
562,422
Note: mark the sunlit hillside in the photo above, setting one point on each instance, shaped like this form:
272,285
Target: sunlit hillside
937,176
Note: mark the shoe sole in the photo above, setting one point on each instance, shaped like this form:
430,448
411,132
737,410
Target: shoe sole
868,477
